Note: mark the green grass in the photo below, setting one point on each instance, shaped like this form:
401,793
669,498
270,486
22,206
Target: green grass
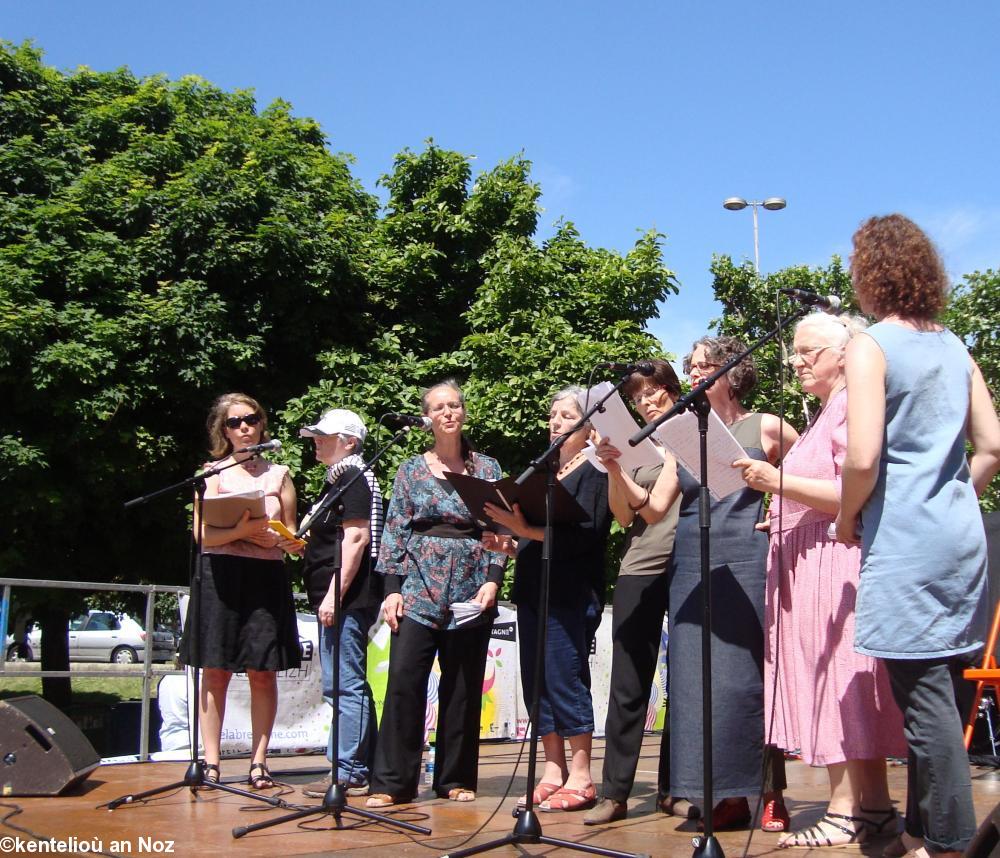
86,690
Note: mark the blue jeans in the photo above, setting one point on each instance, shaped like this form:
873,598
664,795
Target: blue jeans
565,706
356,745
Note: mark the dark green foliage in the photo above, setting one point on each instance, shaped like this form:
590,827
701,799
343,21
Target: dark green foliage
749,311
162,242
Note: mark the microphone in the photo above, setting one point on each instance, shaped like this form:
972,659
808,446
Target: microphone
261,448
420,422
643,367
827,303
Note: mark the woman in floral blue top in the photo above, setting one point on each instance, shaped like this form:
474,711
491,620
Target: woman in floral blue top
432,555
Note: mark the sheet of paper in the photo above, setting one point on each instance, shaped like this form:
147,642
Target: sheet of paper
680,435
617,424
465,611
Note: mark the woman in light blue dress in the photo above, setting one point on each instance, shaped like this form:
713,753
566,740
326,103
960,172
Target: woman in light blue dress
914,398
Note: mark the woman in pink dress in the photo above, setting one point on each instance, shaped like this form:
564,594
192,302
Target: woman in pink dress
831,702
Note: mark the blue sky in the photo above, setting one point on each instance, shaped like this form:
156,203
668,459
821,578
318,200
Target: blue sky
635,114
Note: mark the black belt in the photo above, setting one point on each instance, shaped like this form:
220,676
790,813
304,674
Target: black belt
445,530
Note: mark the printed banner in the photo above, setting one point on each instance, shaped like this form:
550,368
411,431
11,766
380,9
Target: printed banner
303,720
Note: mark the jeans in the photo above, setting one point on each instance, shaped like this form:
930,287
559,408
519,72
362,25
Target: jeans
356,745
565,705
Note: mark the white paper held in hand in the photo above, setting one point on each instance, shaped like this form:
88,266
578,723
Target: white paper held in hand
465,611
616,423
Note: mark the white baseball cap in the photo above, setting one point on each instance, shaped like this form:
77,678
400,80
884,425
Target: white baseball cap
339,421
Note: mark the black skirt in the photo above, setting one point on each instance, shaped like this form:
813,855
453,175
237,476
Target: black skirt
247,616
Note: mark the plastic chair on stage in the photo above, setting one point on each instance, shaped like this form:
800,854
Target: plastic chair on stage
988,674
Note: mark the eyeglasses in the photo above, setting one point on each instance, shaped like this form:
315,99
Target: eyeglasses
702,367
807,356
250,419
648,393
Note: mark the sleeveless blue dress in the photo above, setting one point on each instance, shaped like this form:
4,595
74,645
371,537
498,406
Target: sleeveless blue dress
923,571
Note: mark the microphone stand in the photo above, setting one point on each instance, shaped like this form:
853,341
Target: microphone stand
707,846
335,800
528,827
194,776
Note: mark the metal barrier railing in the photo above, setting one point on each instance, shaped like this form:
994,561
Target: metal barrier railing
148,671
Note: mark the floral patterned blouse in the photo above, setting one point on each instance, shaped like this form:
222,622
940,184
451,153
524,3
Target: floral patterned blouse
434,571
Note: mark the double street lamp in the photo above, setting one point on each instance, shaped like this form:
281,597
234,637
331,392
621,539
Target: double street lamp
772,204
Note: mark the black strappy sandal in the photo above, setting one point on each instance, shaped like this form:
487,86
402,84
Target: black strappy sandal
263,779
817,836
211,772
888,817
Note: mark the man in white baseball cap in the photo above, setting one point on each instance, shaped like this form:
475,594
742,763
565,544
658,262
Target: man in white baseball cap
339,435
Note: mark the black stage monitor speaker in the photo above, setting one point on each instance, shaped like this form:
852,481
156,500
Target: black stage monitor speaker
42,752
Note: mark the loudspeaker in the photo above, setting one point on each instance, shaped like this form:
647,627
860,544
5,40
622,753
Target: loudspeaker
42,752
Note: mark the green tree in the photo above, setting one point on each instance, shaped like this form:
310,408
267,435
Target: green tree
749,312
973,315
160,242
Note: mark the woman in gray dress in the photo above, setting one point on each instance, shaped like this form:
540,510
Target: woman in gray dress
914,398
738,561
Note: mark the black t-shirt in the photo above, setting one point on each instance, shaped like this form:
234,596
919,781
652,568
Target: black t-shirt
365,589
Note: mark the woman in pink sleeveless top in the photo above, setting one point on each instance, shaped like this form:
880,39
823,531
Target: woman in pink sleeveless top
247,611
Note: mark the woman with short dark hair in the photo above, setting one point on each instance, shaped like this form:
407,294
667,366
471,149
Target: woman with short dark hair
646,501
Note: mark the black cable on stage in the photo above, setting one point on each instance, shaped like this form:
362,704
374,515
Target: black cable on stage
16,809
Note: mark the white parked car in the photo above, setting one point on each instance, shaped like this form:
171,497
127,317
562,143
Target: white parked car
103,636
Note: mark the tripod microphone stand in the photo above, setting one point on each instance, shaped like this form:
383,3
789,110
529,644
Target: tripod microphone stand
707,846
335,800
528,827
194,777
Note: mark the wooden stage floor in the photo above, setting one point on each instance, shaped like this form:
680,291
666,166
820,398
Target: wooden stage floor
202,825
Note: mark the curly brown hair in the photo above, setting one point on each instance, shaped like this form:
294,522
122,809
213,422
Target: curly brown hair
219,445
742,377
895,268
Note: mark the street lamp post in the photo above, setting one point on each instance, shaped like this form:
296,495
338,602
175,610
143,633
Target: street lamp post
773,204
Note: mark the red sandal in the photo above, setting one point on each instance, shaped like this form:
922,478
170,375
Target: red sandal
540,794
566,799
775,816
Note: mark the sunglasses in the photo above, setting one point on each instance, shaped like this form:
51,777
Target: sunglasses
234,422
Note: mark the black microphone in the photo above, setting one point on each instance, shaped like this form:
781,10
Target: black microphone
827,303
643,367
260,448
420,422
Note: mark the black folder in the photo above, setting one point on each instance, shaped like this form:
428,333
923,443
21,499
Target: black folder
506,492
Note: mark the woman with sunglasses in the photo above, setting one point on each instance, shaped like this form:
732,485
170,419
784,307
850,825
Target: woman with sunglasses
738,561
915,398
247,612
646,502
831,702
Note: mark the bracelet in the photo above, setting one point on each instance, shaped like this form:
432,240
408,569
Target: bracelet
645,501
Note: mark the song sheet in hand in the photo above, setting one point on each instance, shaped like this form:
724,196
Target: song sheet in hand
680,435
616,423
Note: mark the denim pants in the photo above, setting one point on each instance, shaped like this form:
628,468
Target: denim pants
565,705
356,746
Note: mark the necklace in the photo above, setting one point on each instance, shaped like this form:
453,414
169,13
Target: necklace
444,465
565,469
